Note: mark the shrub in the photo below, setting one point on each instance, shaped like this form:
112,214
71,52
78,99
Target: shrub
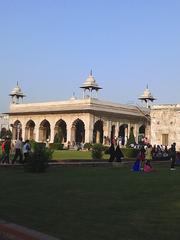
56,146
131,139
97,151
130,152
106,149
58,136
87,146
38,159
35,145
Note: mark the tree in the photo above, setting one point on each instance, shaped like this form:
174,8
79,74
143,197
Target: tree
131,139
58,136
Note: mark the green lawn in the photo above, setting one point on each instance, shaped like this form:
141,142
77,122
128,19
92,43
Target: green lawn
71,154
94,203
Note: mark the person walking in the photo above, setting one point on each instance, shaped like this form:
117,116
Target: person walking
26,150
118,154
18,151
7,149
3,151
112,152
173,155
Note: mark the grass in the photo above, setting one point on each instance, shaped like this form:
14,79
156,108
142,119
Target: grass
71,154
94,203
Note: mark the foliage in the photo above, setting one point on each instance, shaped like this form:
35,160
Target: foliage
87,146
130,152
56,146
131,139
58,136
38,159
106,149
97,151
35,145
4,133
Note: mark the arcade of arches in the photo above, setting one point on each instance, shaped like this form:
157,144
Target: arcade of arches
76,129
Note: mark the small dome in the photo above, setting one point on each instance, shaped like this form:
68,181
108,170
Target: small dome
147,95
17,91
90,82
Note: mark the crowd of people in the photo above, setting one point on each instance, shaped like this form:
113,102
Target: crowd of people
145,156
20,151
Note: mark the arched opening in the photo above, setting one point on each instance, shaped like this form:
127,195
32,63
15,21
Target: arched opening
141,134
122,134
113,133
44,131
78,132
98,132
60,131
16,130
29,130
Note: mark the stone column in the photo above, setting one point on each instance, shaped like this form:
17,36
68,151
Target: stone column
136,132
68,127
117,130
36,133
52,127
23,132
89,130
109,128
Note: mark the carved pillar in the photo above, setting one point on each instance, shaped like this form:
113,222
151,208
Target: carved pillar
117,130
52,132
89,125
36,133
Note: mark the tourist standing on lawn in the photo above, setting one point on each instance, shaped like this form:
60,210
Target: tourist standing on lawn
112,152
18,151
173,156
26,150
148,155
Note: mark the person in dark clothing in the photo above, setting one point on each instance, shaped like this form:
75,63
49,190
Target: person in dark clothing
173,156
118,154
112,153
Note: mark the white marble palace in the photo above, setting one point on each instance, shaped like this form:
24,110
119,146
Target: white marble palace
86,120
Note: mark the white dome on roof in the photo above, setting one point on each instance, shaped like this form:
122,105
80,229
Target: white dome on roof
16,91
90,82
16,94
147,95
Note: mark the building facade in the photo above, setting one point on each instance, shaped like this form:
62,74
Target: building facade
165,124
80,121
86,120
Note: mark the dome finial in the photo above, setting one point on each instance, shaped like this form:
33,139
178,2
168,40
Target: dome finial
91,73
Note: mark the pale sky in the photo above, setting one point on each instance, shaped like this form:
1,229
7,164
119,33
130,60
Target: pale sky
50,46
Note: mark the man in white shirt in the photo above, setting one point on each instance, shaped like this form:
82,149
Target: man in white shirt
18,151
